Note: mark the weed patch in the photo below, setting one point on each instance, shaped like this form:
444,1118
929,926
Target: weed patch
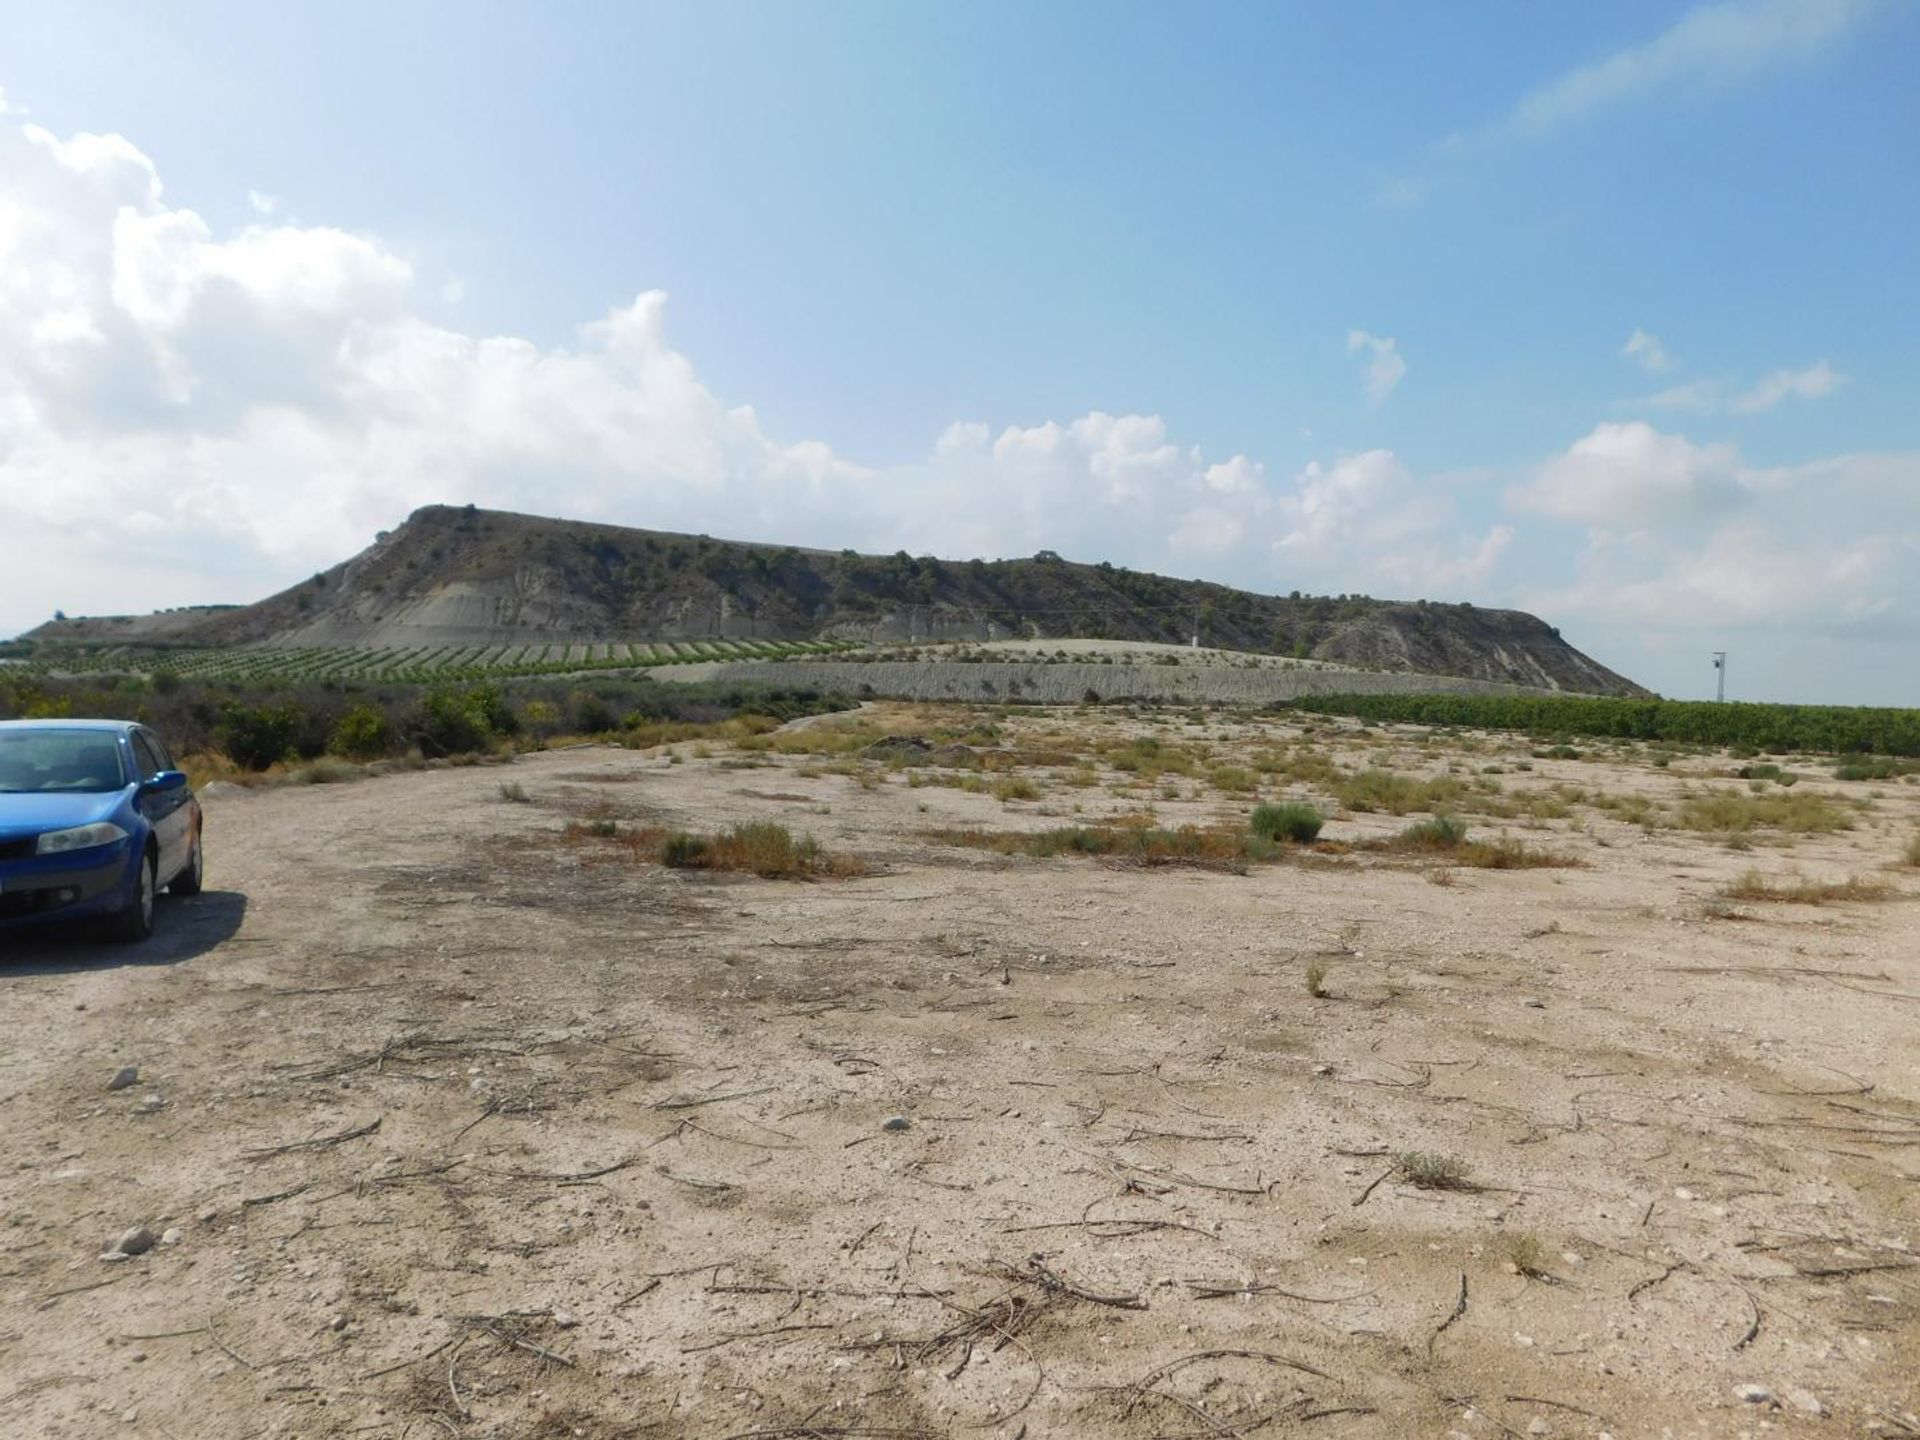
1754,886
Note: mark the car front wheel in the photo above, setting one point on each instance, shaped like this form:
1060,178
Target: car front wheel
188,881
135,922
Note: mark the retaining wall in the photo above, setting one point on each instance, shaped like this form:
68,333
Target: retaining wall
1068,683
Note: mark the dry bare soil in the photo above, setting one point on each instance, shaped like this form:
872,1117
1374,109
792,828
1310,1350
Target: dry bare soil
471,1128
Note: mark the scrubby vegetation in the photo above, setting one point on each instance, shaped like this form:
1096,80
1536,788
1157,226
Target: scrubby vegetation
1730,812
1145,843
763,848
1293,822
1752,885
1836,729
257,726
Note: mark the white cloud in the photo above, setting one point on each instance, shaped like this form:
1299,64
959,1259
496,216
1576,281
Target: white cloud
1385,366
1813,383
1690,539
1714,395
1632,476
187,415
1648,350
1699,395
1711,45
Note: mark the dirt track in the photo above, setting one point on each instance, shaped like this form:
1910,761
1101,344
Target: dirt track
630,1175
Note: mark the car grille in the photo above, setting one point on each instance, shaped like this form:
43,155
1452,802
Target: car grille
17,849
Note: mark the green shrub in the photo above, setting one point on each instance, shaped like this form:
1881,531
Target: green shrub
681,851
257,736
1291,821
363,733
1442,832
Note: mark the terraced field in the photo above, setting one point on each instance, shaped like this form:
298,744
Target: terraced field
420,664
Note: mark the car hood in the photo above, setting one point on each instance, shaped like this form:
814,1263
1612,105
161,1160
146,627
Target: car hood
37,812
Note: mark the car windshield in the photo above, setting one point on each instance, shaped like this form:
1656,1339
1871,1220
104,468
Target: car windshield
38,761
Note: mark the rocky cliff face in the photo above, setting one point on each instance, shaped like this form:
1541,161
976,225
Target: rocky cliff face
468,577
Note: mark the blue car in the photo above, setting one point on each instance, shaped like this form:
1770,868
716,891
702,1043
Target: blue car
95,820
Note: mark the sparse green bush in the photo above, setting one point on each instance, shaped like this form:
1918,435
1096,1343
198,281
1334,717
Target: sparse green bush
1430,1170
681,851
1442,832
1291,821
1233,779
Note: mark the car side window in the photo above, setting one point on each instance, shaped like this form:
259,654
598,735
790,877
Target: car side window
160,751
144,759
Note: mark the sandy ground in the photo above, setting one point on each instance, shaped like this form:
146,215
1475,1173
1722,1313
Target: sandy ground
465,1130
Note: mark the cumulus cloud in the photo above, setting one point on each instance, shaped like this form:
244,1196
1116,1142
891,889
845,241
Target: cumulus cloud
188,414
1385,366
1632,476
1648,351
1685,538
1709,46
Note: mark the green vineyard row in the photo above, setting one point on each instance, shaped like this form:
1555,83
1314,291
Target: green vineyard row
1834,729
416,665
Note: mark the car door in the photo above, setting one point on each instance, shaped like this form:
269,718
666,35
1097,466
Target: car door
166,810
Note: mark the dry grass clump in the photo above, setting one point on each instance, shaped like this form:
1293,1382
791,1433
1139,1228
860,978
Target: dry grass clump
1143,843
1374,789
1015,787
762,848
1527,1256
1911,855
1431,1170
1445,837
738,728
1752,885
1730,812
1317,980
1233,779
1149,757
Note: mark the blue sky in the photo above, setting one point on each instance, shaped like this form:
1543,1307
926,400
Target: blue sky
1334,297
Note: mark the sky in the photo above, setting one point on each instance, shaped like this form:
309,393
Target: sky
1603,312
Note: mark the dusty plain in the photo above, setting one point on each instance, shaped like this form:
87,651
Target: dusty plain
461,1116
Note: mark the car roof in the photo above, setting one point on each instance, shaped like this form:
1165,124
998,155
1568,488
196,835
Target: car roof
60,722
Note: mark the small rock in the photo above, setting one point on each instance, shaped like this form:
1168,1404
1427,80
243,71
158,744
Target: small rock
150,1105
1805,1401
1538,1426
123,1078
898,1122
565,1319
1534,1004
1753,1394
1680,1192
1323,1069
209,1215
337,1323
171,1235
136,1241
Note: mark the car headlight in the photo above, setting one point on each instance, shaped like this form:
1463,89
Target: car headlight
80,837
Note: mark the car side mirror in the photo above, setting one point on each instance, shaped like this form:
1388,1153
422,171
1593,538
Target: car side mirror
164,781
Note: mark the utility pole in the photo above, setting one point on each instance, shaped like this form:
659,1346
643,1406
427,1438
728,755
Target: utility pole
1720,673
